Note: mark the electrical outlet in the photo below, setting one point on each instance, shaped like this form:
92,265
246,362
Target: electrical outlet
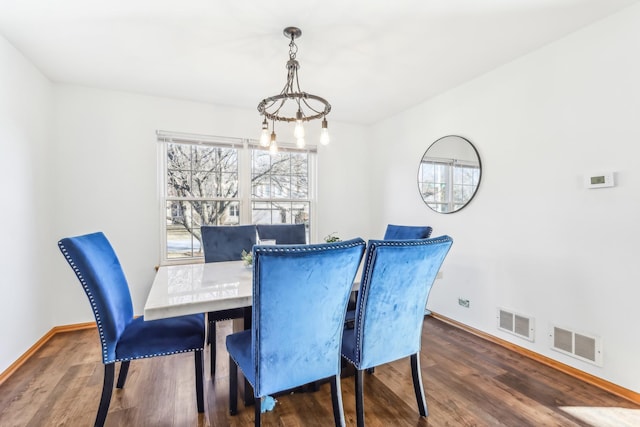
464,302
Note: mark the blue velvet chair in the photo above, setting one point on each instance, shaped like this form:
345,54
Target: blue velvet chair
300,293
123,337
396,281
283,234
225,243
406,232
393,232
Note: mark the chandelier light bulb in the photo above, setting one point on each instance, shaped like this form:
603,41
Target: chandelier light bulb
273,145
324,133
300,143
298,132
264,135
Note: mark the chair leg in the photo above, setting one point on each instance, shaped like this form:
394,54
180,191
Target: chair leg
199,380
122,376
212,338
336,399
258,412
233,387
107,389
417,385
359,399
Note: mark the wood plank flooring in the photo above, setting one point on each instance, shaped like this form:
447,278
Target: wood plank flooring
469,382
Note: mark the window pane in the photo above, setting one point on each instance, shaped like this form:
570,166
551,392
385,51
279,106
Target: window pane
467,192
178,170
299,163
426,172
283,176
457,174
181,243
201,171
440,192
299,186
184,218
300,213
280,186
428,192
458,191
280,212
261,213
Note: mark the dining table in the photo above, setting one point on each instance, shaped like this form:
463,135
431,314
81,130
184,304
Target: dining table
182,289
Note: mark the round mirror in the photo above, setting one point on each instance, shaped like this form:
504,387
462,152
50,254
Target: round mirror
449,174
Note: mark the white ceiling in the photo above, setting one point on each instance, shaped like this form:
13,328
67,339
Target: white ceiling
370,58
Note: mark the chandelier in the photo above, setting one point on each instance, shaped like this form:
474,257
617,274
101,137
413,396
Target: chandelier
292,104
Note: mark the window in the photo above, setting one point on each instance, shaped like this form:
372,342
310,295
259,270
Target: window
446,184
226,181
280,188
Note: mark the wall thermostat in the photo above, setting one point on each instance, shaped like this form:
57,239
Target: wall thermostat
599,180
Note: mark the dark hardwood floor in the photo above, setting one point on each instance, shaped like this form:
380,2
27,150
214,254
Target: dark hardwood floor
468,381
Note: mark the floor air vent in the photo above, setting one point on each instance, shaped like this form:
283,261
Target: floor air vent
578,345
516,324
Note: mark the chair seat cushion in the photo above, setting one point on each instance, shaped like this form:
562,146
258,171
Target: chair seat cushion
239,348
161,337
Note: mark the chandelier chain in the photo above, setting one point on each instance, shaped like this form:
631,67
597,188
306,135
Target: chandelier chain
293,48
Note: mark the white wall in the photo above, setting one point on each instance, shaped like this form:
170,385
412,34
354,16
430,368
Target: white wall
534,240
105,178
25,107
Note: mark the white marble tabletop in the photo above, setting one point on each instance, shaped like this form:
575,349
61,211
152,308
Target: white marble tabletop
198,288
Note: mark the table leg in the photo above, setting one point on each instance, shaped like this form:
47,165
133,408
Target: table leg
246,391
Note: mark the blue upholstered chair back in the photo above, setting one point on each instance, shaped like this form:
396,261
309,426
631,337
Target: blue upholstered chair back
300,294
97,267
283,234
226,242
406,232
395,285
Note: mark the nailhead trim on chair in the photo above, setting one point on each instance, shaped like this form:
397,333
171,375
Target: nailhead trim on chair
99,321
368,265
91,300
305,248
159,354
